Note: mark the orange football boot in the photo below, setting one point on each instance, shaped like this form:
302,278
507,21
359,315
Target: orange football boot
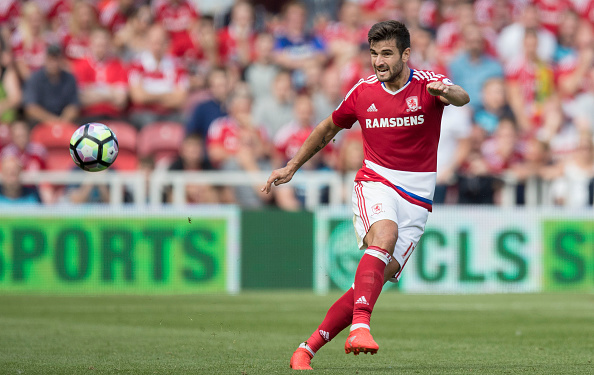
301,359
360,341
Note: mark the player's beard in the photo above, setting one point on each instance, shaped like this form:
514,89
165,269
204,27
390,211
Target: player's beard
394,72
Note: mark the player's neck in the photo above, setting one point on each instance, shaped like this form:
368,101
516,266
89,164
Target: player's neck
400,81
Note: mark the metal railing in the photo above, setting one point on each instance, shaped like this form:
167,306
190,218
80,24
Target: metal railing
136,183
148,190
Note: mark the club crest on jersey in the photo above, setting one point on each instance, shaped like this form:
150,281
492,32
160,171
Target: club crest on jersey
413,104
376,209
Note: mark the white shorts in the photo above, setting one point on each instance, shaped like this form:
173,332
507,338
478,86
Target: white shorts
374,201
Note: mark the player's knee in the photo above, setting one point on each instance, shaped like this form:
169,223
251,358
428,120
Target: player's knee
385,240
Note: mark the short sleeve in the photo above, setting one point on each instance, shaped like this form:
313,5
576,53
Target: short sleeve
434,77
345,115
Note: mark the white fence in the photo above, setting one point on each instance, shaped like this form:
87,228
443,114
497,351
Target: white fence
151,194
149,190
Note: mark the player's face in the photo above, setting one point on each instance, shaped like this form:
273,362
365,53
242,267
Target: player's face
387,61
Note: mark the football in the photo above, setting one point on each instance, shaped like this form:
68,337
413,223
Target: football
93,147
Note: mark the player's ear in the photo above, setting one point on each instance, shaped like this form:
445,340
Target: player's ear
406,55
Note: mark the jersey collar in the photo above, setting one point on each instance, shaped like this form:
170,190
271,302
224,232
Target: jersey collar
400,89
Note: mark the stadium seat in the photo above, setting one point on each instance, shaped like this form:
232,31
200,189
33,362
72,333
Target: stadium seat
56,139
127,136
161,140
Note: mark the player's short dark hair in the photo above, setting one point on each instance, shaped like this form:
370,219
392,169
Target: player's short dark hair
388,30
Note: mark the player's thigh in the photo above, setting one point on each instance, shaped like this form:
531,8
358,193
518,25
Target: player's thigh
374,206
412,220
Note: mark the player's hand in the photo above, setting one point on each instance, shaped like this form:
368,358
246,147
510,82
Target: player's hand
278,177
438,88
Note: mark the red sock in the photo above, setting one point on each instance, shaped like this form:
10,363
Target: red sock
338,317
369,280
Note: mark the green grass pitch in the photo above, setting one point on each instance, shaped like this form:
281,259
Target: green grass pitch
255,333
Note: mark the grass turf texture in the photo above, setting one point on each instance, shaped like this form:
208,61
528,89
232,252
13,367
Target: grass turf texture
256,333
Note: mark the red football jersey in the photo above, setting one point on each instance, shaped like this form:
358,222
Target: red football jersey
100,76
111,17
289,138
9,13
400,133
175,18
32,158
227,133
75,47
33,55
157,78
228,45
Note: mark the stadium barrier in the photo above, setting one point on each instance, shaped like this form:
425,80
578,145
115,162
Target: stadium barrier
312,181
222,249
472,249
537,193
98,249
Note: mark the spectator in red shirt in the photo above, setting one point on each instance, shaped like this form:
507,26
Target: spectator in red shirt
237,41
198,51
287,142
102,80
29,41
290,137
355,69
450,35
9,13
83,20
530,85
176,16
158,85
31,155
56,12
236,137
115,14
344,36
573,69
236,142
502,150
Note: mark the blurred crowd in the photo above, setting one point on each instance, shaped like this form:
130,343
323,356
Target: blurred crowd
243,83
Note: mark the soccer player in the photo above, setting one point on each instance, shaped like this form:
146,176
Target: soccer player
399,110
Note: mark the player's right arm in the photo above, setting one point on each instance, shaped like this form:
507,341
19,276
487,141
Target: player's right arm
317,140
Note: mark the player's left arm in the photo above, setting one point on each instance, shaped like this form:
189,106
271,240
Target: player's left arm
448,94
